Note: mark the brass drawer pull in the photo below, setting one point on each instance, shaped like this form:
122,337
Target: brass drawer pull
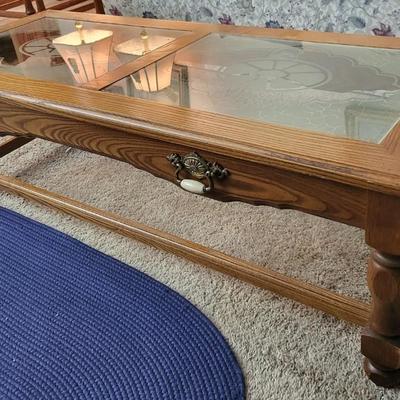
199,168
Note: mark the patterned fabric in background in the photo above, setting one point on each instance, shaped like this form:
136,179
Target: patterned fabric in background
377,17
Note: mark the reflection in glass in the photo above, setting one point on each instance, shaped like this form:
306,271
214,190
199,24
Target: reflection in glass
156,76
176,93
51,49
85,51
348,91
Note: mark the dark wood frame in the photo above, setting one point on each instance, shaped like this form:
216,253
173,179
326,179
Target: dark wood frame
74,5
345,180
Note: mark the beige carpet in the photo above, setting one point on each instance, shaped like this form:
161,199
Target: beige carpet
287,351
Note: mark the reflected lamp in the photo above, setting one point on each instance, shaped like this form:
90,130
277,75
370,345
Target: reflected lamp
86,52
155,77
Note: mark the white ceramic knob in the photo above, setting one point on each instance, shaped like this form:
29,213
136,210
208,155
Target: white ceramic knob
192,186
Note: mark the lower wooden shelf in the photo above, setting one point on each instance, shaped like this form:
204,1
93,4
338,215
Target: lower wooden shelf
340,306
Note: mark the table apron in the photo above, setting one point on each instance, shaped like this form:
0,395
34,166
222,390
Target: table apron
247,182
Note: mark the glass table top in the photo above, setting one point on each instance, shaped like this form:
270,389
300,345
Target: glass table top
343,90
75,52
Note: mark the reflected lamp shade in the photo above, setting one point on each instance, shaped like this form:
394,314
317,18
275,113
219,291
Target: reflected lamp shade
155,77
86,52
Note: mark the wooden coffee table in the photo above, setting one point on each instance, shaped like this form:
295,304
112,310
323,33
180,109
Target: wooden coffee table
291,119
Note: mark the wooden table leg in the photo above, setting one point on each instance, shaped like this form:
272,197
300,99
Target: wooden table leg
40,5
380,341
99,7
29,9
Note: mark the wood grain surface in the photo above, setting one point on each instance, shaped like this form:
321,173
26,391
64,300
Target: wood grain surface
380,342
359,164
350,181
11,14
248,182
340,306
383,223
9,144
384,285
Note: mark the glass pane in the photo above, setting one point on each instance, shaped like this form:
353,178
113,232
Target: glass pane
75,52
342,90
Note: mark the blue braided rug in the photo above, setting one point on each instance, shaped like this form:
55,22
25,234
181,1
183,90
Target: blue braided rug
77,324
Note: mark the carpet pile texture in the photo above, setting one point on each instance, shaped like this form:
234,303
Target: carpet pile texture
286,350
78,324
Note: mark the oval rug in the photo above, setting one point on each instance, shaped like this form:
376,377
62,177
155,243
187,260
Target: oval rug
78,324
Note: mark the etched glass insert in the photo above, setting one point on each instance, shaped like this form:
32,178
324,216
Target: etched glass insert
75,52
348,91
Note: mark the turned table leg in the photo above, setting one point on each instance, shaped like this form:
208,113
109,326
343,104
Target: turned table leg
380,340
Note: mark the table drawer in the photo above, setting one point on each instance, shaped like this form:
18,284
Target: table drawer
245,181
258,184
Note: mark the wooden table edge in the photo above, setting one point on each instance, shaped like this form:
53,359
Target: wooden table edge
199,141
